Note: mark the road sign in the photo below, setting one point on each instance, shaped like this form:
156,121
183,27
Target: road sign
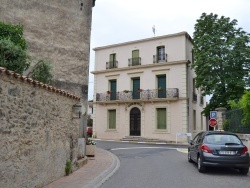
212,122
213,114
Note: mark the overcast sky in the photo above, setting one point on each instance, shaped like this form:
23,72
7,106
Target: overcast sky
116,21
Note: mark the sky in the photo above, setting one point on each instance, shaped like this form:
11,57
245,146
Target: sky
117,21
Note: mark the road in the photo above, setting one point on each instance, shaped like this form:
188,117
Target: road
161,166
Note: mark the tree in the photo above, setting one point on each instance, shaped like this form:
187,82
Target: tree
221,59
42,72
13,48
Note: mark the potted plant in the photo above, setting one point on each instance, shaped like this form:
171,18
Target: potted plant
90,147
109,92
125,91
139,90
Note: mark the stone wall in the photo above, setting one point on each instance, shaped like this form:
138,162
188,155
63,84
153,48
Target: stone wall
57,30
37,132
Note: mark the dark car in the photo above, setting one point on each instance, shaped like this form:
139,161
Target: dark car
218,149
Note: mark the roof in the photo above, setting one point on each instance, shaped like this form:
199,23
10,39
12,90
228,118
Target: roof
147,39
37,83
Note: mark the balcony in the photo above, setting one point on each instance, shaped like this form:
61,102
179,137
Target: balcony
159,58
134,61
170,93
111,64
194,97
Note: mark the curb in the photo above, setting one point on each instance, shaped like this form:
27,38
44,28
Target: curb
104,176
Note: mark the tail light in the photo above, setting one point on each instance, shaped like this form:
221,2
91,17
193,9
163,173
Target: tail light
244,151
205,148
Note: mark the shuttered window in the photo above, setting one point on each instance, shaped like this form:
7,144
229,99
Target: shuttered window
112,119
161,118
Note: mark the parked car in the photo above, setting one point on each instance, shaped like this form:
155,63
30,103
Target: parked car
218,149
89,131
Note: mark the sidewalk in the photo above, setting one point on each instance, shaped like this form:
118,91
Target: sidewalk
97,170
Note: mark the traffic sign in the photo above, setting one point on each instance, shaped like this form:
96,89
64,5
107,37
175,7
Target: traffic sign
212,122
213,114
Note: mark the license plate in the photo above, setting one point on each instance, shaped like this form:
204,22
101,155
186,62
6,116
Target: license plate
227,152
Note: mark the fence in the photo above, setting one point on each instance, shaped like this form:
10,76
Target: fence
232,121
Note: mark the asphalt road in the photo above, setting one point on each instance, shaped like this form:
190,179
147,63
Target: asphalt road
161,166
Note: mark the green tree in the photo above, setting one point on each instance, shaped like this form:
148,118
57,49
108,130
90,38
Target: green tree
221,59
42,72
13,48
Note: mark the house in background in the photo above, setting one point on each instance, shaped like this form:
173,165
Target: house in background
146,88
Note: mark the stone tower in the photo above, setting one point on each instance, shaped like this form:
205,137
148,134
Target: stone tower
59,31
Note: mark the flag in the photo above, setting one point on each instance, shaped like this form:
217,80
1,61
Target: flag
153,28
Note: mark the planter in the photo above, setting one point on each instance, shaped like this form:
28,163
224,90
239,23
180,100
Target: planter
90,150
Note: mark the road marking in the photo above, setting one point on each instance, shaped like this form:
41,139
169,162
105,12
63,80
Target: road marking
183,150
143,148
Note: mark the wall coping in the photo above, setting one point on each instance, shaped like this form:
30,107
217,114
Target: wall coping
37,83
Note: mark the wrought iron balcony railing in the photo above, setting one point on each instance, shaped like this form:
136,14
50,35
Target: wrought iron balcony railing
134,61
111,64
170,93
194,97
160,58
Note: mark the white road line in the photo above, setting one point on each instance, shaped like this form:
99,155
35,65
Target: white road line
143,148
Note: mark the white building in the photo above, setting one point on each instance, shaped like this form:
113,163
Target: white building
146,88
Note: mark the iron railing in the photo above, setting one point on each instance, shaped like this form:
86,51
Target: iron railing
111,64
170,93
157,58
134,61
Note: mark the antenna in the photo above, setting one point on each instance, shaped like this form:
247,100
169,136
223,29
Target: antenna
153,29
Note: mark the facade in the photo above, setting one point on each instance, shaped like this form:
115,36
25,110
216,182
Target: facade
146,88
58,31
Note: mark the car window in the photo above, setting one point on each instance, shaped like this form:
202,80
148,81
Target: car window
197,138
222,139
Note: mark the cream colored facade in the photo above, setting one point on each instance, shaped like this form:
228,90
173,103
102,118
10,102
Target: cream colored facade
161,68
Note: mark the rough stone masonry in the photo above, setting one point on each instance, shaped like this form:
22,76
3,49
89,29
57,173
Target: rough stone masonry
37,132
57,30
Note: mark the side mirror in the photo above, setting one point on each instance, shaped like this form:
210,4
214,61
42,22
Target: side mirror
190,142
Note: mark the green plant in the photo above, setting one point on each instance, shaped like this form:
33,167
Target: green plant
42,72
125,91
68,167
90,142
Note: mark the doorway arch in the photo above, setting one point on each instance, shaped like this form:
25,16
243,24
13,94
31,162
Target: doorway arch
135,122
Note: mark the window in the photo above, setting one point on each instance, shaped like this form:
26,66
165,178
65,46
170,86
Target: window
194,119
161,118
161,53
136,88
112,62
161,86
135,58
112,89
112,119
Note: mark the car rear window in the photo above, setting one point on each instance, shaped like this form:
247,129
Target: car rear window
221,139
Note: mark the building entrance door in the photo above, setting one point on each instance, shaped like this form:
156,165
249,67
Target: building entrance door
135,122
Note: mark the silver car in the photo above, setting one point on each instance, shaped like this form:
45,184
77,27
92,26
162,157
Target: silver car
218,149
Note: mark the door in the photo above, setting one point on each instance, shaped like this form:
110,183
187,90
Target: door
136,86
161,86
135,122
113,89
194,148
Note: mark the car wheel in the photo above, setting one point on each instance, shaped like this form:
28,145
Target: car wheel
189,157
201,168
244,170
